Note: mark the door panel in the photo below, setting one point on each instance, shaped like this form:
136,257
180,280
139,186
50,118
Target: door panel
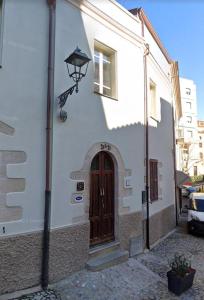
102,199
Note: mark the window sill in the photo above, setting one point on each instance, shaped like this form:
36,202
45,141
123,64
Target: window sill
105,96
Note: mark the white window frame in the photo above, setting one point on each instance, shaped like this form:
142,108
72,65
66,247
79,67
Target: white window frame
188,106
189,119
154,113
188,91
105,50
2,4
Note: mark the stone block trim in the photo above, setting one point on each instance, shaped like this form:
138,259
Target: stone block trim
6,129
130,226
10,185
69,248
161,223
20,261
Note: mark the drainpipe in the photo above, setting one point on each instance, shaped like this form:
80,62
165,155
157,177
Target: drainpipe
173,77
49,144
146,122
174,159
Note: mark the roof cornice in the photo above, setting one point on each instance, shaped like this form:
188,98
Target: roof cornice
143,17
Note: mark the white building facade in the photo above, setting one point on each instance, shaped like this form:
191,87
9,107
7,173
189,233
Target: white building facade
98,157
200,125
188,158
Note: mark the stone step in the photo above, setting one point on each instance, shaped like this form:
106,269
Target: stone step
107,260
104,249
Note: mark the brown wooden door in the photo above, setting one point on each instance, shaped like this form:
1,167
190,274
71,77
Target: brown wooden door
102,199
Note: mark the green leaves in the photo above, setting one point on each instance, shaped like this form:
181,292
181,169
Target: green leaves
180,265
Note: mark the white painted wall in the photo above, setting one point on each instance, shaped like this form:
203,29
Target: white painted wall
161,131
93,118
23,92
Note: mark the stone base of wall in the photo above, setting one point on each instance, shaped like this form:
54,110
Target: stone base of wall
130,227
162,223
20,261
69,248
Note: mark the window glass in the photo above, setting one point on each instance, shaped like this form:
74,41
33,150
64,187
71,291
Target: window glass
189,134
188,91
95,163
189,119
104,76
188,106
153,100
153,180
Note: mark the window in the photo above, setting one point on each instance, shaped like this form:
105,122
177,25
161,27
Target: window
200,145
201,155
188,91
1,30
189,119
189,134
195,170
153,100
188,106
153,179
104,70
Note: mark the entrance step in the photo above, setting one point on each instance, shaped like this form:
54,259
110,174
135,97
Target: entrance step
103,249
107,260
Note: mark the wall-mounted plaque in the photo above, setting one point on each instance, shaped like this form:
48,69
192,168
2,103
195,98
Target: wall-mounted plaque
80,186
77,198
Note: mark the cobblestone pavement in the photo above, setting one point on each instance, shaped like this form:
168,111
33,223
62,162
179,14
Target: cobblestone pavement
141,278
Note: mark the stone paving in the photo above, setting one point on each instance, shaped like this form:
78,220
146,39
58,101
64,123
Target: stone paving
141,278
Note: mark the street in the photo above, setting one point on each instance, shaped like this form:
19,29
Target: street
142,277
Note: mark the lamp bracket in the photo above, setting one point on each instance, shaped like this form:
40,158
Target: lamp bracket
63,97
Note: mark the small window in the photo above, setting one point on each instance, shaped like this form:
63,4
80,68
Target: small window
201,155
200,145
188,106
153,100
189,119
188,91
195,168
153,180
104,70
189,134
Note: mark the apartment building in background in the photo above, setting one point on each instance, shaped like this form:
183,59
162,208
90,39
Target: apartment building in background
201,146
188,156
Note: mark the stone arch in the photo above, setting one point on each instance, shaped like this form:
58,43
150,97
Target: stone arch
120,172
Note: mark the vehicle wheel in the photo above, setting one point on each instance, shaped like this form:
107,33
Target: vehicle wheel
191,228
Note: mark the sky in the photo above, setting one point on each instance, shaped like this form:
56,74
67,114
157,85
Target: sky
180,26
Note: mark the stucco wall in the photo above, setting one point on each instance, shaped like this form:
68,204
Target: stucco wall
92,118
23,85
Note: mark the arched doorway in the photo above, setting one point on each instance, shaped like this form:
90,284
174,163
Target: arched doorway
101,211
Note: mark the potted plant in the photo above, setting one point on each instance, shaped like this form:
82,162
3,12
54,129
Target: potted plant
181,275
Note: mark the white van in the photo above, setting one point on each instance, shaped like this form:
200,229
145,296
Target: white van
196,213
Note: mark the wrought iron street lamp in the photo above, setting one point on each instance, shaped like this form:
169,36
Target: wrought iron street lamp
77,65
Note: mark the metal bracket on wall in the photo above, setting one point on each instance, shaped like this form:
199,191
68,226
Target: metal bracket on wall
63,99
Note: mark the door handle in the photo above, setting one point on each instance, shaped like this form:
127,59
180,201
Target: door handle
103,192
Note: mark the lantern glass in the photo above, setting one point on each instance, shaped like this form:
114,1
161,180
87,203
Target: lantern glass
77,64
